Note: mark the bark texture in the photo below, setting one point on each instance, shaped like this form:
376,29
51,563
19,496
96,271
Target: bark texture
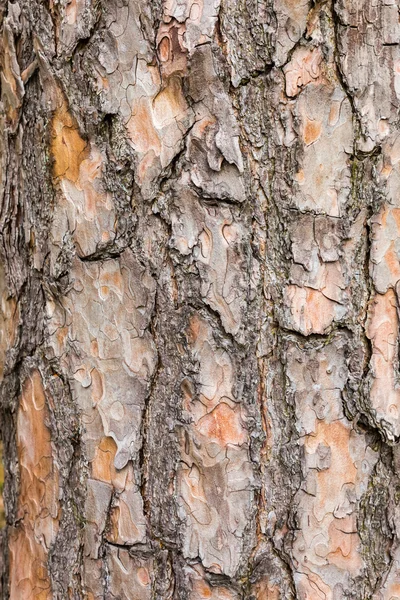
199,283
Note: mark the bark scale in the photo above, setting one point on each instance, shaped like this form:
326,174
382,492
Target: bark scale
199,321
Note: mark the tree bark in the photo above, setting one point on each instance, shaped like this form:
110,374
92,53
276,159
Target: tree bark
199,282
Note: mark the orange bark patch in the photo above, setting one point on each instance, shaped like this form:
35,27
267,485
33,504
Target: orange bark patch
265,590
311,311
300,177
382,329
312,131
169,104
141,130
67,148
103,464
222,425
392,262
145,165
143,576
195,326
200,127
97,381
343,544
382,326
311,587
164,49
71,12
38,507
341,548
78,167
385,255
342,471
201,590
303,69
112,278
391,590
123,528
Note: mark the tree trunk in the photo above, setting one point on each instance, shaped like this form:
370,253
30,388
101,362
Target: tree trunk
199,326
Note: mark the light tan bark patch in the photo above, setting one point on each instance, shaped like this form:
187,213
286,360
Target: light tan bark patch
215,477
382,329
311,310
84,207
303,69
337,465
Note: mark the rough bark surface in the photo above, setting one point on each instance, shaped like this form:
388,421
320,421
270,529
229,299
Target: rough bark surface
200,299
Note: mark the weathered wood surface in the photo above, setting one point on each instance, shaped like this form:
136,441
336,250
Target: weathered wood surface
199,282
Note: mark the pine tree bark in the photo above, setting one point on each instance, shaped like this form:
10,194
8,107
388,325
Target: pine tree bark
199,282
